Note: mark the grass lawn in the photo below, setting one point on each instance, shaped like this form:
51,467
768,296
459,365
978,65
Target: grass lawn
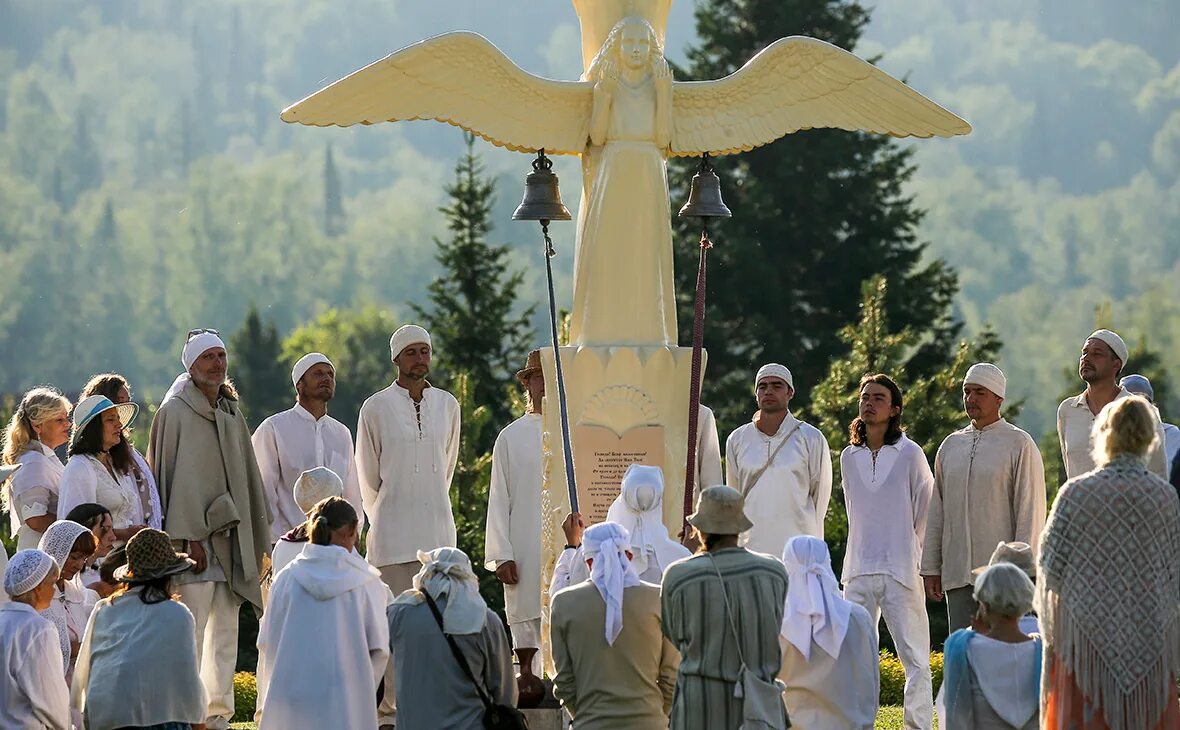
889,718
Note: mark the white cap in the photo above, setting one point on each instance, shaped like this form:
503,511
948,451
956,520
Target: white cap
197,345
26,570
406,335
774,370
307,362
1114,341
987,375
315,485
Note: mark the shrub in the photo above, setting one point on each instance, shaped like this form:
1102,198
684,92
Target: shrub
893,677
245,697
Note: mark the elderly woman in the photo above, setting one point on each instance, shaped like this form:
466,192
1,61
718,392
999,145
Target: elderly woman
830,663
991,676
98,519
327,591
100,467
1108,586
40,424
639,508
70,545
138,664
116,388
32,688
444,696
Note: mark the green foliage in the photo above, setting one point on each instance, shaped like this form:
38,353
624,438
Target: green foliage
245,696
261,376
471,316
893,677
817,214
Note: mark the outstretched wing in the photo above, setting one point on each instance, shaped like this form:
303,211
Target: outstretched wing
462,79
800,83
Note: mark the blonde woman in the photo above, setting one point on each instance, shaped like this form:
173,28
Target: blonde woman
40,424
1108,586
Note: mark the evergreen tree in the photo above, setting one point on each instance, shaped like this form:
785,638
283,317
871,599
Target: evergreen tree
333,197
262,377
815,214
472,316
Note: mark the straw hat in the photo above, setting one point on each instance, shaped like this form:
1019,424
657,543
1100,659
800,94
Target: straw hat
1019,554
532,365
90,408
720,511
150,556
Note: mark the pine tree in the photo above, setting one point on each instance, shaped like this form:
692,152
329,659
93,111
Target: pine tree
333,197
472,316
261,376
815,214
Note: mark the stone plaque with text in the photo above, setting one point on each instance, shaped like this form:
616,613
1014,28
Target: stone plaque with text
601,457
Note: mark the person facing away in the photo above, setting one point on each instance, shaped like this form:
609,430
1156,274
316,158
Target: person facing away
303,437
512,539
323,642
1104,354
215,508
433,691
722,609
639,508
887,488
615,668
1108,586
138,664
33,692
989,487
1140,385
1021,555
40,424
992,671
830,662
407,446
115,387
781,465
312,487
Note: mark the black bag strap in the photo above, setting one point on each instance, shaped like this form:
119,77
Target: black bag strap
487,702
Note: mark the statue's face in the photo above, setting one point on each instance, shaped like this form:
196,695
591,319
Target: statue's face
635,46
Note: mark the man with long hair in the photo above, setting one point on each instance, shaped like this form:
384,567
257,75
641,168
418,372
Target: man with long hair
887,487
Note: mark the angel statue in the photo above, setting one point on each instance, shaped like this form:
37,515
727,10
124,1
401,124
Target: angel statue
625,117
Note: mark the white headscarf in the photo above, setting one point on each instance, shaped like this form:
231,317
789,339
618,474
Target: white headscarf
193,348
607,544
307,362
814,608
26,571
446,571
638,508
58,540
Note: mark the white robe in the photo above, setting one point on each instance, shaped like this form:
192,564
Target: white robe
708,451
791,497
514,515
323,642
86,481
406,460
291,442
33,693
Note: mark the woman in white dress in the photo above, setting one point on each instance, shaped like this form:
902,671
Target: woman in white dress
70,545
116,387
100,467
40,424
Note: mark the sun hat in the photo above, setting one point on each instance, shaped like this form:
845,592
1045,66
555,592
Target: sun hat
1019,554
531,365
150,556
90,408
720,511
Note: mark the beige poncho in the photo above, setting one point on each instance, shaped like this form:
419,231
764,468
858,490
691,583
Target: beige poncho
1108,590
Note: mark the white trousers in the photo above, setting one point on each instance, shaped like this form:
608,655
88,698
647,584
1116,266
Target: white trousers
215,610
400,578
528,633
904,608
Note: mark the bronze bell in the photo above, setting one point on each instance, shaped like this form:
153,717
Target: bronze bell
704,197
542,199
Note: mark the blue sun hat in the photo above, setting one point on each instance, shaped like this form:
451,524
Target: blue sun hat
92,407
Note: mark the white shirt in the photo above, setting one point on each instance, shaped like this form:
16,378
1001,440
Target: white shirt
1171,442
405,456
569,570
1075,422
887,501
514,515
33,693
86,480
33,492
291,442
791,497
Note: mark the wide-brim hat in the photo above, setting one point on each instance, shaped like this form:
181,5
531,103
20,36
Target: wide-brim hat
720,511
90,408
1019,554
532,365
150,556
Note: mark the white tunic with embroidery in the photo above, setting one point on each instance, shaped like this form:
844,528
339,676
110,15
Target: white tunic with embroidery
85,481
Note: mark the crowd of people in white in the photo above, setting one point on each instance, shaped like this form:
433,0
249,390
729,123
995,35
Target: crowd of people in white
121,604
